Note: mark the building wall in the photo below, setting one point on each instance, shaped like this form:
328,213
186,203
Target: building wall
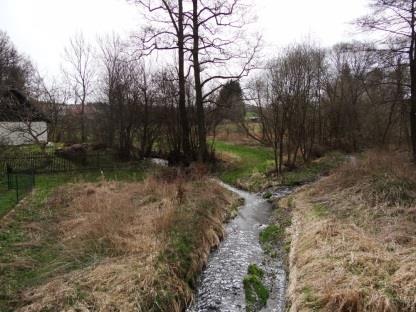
17,133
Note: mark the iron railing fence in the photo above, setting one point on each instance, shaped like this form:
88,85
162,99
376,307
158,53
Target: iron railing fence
51,163
21,184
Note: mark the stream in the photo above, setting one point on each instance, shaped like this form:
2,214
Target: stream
220,286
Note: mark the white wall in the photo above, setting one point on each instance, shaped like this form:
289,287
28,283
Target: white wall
17,133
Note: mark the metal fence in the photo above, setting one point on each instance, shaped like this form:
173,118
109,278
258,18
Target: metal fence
50,163
18,173
20,184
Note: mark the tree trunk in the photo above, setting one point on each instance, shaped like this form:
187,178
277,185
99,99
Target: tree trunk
183,118
202,148
83,136
412,61
413,108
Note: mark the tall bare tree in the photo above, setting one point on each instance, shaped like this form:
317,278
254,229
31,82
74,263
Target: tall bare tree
20,118
167,32
80,73
396,20
218,35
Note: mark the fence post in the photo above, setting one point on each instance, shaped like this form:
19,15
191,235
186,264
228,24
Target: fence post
9,177
17,188
9,181
33,179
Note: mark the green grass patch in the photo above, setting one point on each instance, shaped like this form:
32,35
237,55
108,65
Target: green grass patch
267,195
7,198
16,151
313,170
320,210
271,234
270,237
26,263
251,114
256,292
251,160
311,300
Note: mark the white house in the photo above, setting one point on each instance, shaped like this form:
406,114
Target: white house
20,133
20,122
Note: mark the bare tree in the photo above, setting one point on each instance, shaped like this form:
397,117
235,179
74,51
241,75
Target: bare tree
208,36
396,20
129,111
16,70
217,33
288,98
17,113
80,73
21,120
345,89
52,101
167,32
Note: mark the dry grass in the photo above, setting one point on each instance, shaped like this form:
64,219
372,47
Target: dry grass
141,230
230,132
354,238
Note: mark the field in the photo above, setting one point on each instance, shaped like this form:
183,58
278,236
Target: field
242,161
250,167
45,182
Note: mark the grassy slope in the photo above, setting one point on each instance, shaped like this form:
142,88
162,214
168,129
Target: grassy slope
310,172
246,166
31,262
244,161
46,182
108,244
353,246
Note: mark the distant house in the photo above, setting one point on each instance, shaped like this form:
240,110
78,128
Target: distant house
253,119
20,122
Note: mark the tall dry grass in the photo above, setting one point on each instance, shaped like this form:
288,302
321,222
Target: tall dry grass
354,238
133,229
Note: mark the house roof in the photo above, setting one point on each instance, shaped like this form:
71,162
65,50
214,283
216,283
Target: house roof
15,106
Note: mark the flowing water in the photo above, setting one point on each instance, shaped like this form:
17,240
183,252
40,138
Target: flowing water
220,285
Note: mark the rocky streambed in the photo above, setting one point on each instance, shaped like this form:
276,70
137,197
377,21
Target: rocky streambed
220,286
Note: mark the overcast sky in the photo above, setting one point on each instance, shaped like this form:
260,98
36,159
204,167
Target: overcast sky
41,28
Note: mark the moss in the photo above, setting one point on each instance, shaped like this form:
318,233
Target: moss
255,270
271,234
311,300
183,246
255,292
320,210
290,203
270,237
267,195
287,246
